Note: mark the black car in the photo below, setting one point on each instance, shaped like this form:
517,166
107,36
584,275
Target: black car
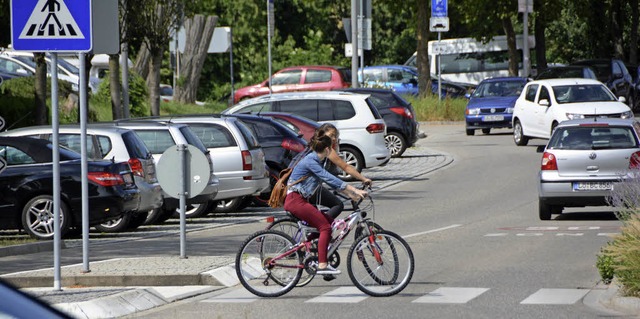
26,187
635,89
279,144
614,74
398,114
570,71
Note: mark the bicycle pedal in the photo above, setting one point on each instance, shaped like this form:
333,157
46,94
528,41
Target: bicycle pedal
328,277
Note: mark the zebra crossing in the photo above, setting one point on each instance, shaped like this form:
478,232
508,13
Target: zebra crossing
442,295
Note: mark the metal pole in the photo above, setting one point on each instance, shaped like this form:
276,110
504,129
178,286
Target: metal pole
124,62
182,149
269,13
84,164
525,40
56,172
439,69
361,39
354,43
231,61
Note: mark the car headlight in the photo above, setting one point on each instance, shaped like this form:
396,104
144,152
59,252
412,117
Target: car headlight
473,111
574,116
509,110
626,115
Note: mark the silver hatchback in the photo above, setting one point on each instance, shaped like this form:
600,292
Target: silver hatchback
583,162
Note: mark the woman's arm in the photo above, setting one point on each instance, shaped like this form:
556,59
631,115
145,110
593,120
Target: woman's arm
338,161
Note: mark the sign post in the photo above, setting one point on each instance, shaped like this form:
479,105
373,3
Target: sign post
525,6
439,22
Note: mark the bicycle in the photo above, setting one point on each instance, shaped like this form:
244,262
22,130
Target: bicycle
379,263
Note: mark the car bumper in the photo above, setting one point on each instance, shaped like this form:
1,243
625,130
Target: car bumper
484,121
237,187
150,195
106,206
563,194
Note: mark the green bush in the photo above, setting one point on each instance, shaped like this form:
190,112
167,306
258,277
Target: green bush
624,250
432,109
604,263
138,95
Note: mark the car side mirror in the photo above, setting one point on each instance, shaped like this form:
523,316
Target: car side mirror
622,99
540,148
544,102
467,96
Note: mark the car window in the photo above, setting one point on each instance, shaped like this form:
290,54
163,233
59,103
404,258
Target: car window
263,131
395,76
136,146
157,141
306,108
14,156
317,76
256,108
373,75
252,141
12,67
72,142
213,135
582,93
343,110
192,139
531,92
345,73
616,68
588,138
286,77
325,111
104,143
374,110
544,95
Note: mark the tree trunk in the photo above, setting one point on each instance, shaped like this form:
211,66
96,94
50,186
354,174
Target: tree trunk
41,114
511,43
141,66
422,58
617,25
633,33
154,82
199,30
541,44
114,86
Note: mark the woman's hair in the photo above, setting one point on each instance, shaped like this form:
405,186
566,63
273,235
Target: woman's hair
320,143
325,129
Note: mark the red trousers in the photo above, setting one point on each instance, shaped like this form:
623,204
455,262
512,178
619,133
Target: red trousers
300,207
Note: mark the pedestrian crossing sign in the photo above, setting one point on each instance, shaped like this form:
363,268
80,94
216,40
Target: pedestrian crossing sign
51,25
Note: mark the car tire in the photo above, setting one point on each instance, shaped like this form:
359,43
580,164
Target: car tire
353,158
227,205
518,134
37,217
486,131
137,220
194,210
471,132
395,143
116,225
544,210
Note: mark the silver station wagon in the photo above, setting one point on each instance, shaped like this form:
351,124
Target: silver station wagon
583,162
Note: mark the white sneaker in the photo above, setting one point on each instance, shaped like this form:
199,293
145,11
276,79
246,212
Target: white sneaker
328,271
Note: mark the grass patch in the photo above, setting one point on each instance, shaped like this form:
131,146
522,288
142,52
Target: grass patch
432,109
8,241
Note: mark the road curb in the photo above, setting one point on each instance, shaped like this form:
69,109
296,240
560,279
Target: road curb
30,248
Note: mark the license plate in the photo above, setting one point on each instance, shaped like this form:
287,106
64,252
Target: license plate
127,179
593,186
492,118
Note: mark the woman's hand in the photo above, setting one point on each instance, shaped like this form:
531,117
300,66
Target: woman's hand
356,194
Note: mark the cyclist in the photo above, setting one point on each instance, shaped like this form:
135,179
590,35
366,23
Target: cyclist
322,195
307,176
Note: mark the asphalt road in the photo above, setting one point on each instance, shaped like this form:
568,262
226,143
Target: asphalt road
480,249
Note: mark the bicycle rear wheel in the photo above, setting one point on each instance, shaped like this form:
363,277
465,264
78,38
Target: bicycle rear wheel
290,227
267,266
381,264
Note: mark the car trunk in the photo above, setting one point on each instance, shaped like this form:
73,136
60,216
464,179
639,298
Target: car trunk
593,163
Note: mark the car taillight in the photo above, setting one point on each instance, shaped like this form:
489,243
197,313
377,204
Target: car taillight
105,179
292,145
247,164
375,128
136,167
402,111
634,161
549,162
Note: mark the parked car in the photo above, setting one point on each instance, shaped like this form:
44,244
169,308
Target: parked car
361,126
544,104
635,89
583,162
158,137
403,130
238,159
491,104
299,124
279,144
614,74
26,187
569,71
111,143
298,78
403,80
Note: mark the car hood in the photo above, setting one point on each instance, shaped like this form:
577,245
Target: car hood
595,108
500,101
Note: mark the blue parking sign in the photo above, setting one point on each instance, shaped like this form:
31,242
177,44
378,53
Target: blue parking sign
439,8
51,25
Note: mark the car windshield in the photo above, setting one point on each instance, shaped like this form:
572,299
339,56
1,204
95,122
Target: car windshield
582,93
593,137
561,73
499,88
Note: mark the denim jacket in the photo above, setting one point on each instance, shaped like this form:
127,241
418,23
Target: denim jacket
310,166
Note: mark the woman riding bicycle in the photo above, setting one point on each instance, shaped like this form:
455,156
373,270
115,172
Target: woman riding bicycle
306,178
322,195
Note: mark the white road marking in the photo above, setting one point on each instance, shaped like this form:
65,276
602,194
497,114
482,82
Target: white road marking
431,231
496,235
555,297
341,295
235,296
451,295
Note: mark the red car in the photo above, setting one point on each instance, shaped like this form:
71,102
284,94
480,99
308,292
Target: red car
300,125
299,78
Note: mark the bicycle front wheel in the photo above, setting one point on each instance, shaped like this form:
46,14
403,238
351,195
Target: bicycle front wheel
268,265
290,227
380,264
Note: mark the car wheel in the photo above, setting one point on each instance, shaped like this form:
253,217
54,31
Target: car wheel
518,135
116,225
160,215
137,220
37,217
544,210
395,143
486,130
195,210
228,205
353,158
471,132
